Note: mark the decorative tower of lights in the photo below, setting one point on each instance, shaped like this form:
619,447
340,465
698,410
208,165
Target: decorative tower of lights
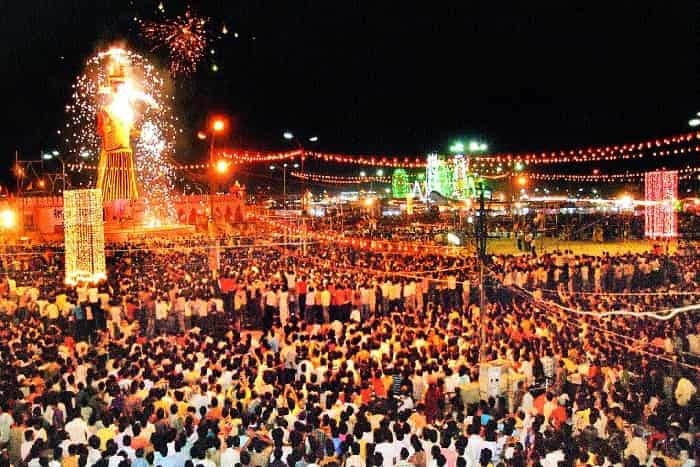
461,170
431,173
116,173
84,236
660,194
400,186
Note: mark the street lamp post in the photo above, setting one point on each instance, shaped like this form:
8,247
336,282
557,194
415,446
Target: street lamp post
289,136
284,185
481,237
217,126
284,181
47,156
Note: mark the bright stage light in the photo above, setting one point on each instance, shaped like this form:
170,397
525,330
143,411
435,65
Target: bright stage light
218,125
453,239
626,202
8,219
457,147
222,166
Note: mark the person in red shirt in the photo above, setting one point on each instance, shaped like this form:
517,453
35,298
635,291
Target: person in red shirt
301,293
559,416
346,303
378,385
336,301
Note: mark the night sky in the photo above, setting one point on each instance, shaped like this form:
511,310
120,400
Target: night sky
381,77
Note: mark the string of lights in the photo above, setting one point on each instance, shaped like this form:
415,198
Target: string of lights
77,167
651,148
484,165
626,177
337,180
600,153
244,156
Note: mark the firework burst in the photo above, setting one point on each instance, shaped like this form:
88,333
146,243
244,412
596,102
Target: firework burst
156,178
185,37
155,126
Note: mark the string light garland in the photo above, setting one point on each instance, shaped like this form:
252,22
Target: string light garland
83,166
244,156
626,177
487,166
84,236
481,163
600,153
338,180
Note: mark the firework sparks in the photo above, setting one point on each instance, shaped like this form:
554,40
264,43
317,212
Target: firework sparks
157,178
186,38
155,126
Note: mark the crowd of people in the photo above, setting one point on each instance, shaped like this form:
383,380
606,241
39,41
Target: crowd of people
357,359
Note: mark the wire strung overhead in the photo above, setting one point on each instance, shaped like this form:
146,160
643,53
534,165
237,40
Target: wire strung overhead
338,180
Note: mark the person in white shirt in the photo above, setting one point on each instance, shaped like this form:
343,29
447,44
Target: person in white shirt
232,454
162,308
77,430
388,449
311,305
284,305
385,287
115,317
6,422
474,445
365,293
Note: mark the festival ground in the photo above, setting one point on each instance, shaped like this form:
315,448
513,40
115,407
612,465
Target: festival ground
548,244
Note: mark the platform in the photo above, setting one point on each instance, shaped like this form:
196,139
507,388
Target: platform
118,232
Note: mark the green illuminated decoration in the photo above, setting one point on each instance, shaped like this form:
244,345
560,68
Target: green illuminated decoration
400,184
445,181
451,178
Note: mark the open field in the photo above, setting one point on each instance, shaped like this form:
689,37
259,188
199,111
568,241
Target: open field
508,246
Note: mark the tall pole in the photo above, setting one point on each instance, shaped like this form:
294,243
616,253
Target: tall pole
303,204
18,175
211,184
481,236
63,173
17,172
284,183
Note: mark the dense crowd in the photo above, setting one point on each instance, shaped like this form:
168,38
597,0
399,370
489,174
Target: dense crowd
363,359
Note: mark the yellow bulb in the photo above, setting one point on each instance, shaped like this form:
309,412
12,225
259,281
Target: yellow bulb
8,219
221,166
